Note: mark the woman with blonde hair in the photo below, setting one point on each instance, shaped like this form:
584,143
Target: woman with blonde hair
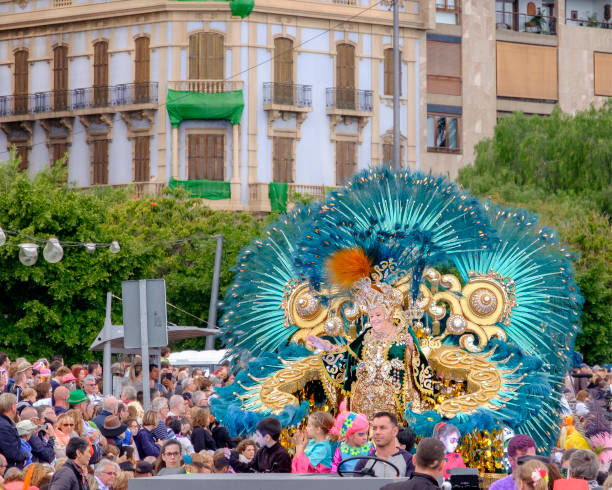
122,479
63,433
201,438
144,440
41,474
531,475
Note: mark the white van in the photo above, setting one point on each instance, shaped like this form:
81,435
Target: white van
207,360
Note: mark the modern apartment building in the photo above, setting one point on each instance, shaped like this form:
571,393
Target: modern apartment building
245,106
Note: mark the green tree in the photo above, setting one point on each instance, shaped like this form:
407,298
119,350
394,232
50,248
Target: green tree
59,308
559,167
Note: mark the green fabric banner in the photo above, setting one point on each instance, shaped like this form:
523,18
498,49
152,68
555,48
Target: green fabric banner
206,189
240,8
277,192
182,104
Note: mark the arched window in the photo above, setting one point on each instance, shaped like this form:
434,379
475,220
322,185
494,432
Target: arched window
283,71
60,78
345,76
206,56
100,73
21,81
142,69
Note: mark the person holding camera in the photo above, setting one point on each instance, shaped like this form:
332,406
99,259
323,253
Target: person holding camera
430,459
42,441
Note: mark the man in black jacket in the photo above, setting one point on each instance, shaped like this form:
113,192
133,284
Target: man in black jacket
430,459
271,457
10,443
70,476
42,441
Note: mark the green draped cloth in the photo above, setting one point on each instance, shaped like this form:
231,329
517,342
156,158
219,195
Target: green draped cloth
206,189
240,8
277,192
182,104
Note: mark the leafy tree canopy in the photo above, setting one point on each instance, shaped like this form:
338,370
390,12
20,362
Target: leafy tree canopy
59,308
561,168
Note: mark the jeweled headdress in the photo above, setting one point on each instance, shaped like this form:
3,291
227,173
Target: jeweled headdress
370,295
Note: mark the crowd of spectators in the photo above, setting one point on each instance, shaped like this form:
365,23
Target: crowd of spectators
58,432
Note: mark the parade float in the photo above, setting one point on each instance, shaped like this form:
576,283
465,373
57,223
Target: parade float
401,292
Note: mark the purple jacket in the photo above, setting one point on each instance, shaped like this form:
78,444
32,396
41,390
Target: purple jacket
145,443
503,484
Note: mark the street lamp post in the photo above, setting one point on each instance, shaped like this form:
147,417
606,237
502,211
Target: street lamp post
397,85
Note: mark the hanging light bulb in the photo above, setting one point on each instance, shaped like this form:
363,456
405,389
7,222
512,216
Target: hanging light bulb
28,253
90,247
2,237
114,247
53,251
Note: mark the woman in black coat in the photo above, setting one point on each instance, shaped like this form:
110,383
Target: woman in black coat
201,438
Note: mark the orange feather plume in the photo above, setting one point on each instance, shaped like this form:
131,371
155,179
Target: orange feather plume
347,266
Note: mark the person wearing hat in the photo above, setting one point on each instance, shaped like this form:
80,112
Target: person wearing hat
10,444
25,429
112,430
79,401
69,381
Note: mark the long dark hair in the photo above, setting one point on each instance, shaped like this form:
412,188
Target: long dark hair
160,463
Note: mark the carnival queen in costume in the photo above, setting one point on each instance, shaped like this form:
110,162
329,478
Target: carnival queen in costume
401,292
352,430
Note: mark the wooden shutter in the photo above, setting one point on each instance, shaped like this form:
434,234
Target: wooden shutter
100,73
389,72
531,8
206,156
283,71
21,81
387,152
194,56
602,68
141,159
345,161
345,76
100,162
282,156
142,72
22,152
212,56
60,78
443,68
58,151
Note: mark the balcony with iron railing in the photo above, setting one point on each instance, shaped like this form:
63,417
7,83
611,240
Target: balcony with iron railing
520,22
349,101
80,100
287,97
206,86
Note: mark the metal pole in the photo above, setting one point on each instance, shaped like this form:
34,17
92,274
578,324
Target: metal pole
144,345
397,86
214,294
107,375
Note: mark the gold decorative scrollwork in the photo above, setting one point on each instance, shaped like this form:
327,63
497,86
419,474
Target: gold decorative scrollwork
483,377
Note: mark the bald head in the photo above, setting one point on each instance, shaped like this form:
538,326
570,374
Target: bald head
29,413
111,404
60,395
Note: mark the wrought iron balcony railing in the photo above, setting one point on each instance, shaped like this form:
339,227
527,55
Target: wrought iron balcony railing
79,98
515,21
288,94
349,99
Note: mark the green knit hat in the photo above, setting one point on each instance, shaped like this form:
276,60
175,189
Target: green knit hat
77,396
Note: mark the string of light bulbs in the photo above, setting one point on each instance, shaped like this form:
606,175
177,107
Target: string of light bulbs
53,250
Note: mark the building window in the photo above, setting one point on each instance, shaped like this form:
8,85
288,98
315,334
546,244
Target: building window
99,174
443,133
142,70
346,161
21,81
22,154
206,56
141,159
205,156
447,11
100,73
60,78
283,71
58,151
345,77
443,68
387,150
282,159
389,71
